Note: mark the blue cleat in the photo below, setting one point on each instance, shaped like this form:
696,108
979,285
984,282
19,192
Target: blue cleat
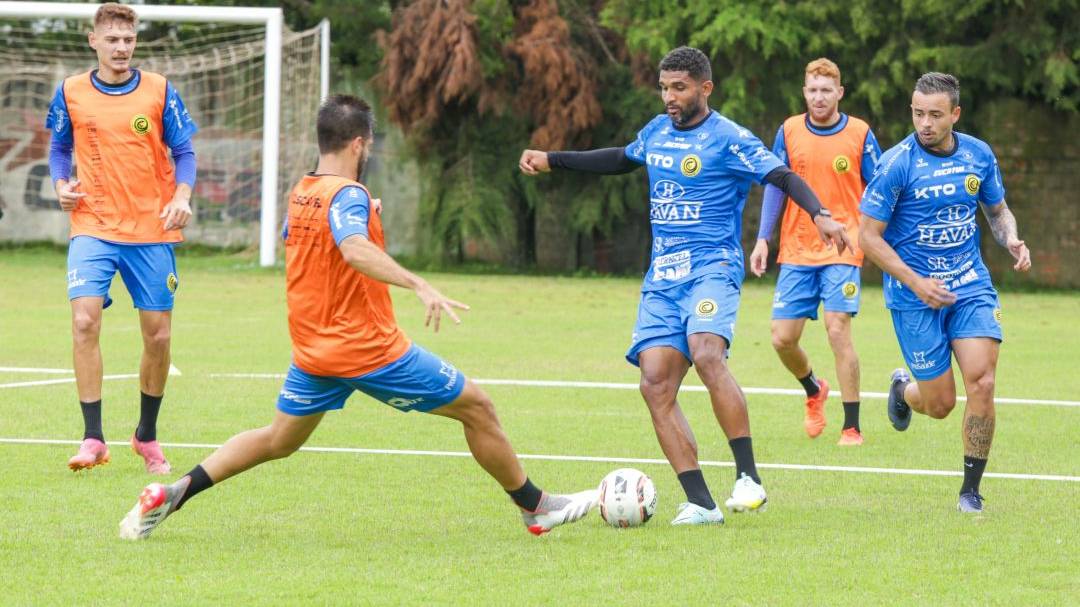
970,502
899,411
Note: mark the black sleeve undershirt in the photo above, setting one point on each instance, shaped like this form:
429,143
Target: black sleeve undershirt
605,161
795,187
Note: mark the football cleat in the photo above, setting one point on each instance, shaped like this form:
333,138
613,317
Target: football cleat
92,452
814,422
152,456
850,437
747,496
555,510
155,503
899,411
692,514
970,502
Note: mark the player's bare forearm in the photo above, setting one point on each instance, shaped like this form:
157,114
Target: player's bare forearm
1002,223
370,260
884,256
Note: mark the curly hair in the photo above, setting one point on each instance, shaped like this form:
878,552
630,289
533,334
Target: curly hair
690,60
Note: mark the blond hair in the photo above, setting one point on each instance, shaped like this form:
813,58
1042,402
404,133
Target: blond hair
823,67
111,11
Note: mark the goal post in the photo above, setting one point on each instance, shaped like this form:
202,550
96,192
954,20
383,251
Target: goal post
272,21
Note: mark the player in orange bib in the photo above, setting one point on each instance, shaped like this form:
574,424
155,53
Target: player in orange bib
345,339
128,204
835,153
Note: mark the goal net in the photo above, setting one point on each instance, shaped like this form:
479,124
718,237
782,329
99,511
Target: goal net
218,69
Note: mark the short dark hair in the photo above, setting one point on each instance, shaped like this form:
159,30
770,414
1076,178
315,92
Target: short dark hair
343,118
931,83
690,60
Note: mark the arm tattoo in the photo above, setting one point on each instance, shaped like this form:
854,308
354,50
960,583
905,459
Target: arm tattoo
979,432
1003,225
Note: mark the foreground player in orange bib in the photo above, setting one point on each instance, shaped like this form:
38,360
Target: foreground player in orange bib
128,204
345,339
835,153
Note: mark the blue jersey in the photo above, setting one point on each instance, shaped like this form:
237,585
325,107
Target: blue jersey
698,182
929,202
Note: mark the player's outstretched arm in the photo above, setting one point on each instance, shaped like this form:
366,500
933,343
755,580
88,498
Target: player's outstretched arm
830,230
534,162
368,259
931,291
1003,226
605,161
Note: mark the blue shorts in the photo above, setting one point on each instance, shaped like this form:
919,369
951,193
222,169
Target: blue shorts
418,381
924,335
148,270
799,289
707,304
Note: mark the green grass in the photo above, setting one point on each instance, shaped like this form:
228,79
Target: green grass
340,528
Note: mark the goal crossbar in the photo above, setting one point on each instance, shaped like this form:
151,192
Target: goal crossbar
272,19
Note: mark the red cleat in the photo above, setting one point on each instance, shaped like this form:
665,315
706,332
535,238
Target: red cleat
814,422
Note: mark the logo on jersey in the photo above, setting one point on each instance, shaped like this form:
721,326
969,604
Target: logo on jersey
672,266
971,184
997,315
691,165
850,289
666,189
841,164
74,280
140,124
706,308
172,282
954,225
659,160
59,118
404,403
919,362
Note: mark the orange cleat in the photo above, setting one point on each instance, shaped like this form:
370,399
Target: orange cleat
850,437
92,452
815,410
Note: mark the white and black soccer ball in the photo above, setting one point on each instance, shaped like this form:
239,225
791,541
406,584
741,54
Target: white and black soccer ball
627,498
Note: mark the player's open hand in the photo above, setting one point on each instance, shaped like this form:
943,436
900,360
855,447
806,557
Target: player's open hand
833,232
759,257
932,292
534,162
1019,252
68,194
435,304
176,214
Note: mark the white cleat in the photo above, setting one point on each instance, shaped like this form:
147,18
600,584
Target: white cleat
692,514
155,503
747,496
555,510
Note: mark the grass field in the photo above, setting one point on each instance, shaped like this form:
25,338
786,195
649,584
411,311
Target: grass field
326,527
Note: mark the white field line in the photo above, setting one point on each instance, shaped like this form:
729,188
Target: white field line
67,380
592,459
536,383
539,383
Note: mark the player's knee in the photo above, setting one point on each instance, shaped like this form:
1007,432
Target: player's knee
157,338
281,447
982,387
939,408
839,336
710,362
658,387
85,326
782,341
477,412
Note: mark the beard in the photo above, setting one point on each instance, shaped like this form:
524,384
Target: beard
361,163
688,113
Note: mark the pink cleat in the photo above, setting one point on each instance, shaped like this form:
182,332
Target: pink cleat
92,452
151,453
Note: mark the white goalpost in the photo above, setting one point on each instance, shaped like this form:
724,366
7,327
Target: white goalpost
228,60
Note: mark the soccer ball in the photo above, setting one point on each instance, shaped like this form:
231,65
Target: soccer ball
627,498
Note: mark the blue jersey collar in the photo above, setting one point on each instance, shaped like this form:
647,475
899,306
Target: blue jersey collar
122,88
956,146
828,130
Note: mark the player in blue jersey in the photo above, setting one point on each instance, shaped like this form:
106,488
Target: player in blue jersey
700,167
919,226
